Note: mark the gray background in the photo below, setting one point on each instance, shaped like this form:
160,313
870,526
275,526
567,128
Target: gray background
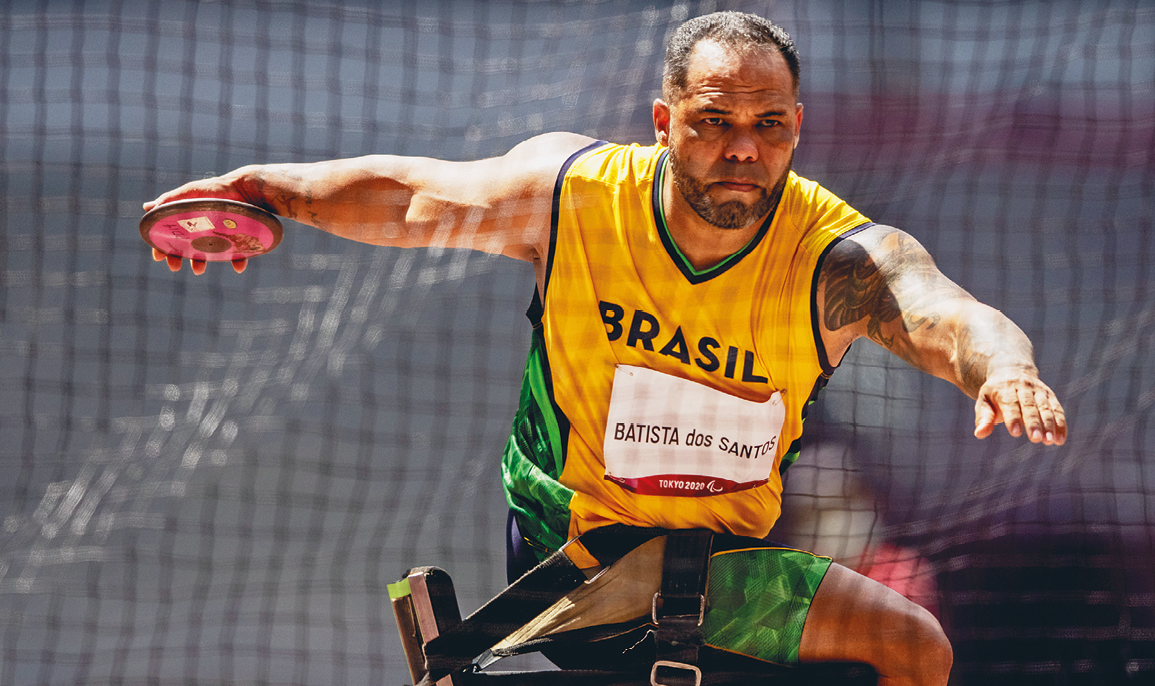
212,479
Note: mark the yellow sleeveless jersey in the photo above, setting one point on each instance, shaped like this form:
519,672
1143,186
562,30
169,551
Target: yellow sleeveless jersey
624,310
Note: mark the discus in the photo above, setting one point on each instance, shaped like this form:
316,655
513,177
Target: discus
210,229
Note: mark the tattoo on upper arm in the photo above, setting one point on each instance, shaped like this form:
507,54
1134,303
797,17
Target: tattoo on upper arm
855,290
896,280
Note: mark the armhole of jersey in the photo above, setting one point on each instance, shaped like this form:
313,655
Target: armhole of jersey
556,212
823,359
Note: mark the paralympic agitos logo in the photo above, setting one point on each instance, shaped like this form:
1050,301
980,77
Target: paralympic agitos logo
644,330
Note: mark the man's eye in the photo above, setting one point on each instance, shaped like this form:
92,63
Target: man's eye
771,122
713,121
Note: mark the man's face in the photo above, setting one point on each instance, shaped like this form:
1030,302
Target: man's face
731,133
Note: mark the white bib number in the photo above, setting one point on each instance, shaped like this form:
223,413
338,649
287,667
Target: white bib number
670,436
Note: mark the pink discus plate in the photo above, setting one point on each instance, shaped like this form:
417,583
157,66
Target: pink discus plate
210,229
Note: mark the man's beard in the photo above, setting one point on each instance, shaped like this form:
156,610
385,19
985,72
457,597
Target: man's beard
733,214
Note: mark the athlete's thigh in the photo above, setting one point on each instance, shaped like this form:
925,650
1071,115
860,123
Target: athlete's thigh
856,619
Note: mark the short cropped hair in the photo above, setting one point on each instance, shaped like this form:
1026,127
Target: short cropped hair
731,29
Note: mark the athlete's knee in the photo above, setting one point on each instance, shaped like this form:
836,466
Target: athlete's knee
924,654
939,657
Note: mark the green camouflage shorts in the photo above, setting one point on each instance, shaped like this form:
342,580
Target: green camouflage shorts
757,600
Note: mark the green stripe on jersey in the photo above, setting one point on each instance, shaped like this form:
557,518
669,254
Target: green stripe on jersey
534,458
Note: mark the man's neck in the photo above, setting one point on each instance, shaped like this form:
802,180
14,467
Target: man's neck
701,243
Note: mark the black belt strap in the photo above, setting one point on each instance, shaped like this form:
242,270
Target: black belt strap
679,608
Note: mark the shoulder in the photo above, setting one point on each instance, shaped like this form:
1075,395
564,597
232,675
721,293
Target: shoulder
807,193
526,172
547,151
878,250
817,214
528,167
878,276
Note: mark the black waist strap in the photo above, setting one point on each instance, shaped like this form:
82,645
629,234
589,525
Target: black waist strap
679,608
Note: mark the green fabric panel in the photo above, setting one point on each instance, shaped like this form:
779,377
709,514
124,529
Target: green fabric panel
534,458
791,455
795,449
757,600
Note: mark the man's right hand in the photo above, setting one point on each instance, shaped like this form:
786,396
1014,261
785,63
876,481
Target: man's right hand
231,186
227,187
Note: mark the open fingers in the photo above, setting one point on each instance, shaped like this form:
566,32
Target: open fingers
198,266
1012,411
1051,420
1027,407
1042,415
1032,417
1060,418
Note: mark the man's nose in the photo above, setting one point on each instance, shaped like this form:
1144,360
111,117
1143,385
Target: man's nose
741,147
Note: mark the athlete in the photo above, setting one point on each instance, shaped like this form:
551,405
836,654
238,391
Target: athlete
692,297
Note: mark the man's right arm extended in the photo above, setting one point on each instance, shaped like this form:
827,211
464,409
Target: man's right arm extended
499,205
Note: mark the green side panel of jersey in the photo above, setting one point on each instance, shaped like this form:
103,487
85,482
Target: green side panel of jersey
534,458
791,456
795,449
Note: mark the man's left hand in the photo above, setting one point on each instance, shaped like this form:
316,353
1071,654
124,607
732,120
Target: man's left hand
1025,404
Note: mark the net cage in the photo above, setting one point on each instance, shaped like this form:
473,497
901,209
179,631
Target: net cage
212,480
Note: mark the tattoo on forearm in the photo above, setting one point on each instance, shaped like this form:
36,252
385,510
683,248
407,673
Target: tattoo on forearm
972,363
309,204
987,343
286,203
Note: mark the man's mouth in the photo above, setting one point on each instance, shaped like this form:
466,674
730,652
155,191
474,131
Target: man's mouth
739,186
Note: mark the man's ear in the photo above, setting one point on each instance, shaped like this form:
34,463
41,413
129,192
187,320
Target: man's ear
797,124
662,122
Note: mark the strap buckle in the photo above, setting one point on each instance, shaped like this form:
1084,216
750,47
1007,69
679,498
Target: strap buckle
701,608
677,678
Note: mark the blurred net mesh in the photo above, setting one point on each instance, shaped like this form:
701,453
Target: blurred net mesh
211,480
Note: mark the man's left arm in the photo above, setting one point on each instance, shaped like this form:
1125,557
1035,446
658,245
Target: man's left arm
882,284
